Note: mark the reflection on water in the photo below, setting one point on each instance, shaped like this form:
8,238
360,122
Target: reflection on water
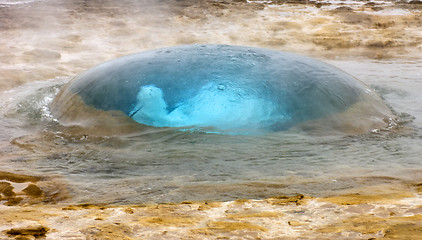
164,165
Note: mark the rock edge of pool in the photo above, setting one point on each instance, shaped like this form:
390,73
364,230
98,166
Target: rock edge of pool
35,207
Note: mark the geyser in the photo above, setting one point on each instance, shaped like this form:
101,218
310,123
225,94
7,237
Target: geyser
220,88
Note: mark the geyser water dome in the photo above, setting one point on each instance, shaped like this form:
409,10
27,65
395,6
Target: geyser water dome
220,88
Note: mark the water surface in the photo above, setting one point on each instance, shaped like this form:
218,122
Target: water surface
165,165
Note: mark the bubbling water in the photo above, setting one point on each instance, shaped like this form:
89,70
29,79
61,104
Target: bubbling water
215,105
225,88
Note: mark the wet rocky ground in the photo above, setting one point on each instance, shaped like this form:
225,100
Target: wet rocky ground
35,208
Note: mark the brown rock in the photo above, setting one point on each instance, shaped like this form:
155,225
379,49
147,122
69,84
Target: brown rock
36,231
284,200
6,189
18,178
13,201
295,223
33,191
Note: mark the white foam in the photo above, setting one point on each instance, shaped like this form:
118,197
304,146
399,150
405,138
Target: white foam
15,2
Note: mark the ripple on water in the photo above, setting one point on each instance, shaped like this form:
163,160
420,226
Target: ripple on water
167,165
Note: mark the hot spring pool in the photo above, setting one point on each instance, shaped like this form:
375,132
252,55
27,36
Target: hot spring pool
159,164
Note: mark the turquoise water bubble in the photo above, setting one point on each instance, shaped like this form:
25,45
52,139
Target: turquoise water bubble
214,105
230,89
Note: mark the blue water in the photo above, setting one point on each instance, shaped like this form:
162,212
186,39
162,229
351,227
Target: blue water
224,88
217,106
160,164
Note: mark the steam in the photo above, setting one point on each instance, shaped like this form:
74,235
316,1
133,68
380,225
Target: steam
46,39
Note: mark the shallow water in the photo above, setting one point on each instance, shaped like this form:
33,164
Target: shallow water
165,165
